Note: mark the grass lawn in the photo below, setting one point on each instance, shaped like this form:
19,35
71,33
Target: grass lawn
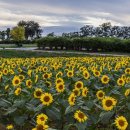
14,46
28,54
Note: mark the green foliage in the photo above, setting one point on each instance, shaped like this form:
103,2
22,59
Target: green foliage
96,44
18,33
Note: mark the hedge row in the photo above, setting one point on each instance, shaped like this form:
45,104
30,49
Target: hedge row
89,44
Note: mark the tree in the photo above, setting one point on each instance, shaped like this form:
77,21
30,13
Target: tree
32,29
8,33
18,33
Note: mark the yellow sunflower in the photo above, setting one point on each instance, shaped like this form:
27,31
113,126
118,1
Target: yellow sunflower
127,92
16,81
60,87
84,92
100,94
108,103
121,123
10,127
76,92
120,82
105,79
79,85
17,91
70,73
80,116
41,127
29,83
59,80
42,118
86,74
127,71
72,99
96,73
38,92
46,99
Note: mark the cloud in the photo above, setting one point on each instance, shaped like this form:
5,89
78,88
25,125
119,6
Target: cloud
68,13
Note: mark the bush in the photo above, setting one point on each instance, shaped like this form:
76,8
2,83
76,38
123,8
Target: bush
90,44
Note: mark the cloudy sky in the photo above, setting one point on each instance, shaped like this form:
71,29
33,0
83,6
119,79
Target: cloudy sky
64,15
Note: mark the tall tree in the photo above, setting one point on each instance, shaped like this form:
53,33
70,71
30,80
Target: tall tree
32,29
18,33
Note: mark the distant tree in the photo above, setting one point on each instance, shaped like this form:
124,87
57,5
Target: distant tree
18,33
2,35
8,33
51,34
32,29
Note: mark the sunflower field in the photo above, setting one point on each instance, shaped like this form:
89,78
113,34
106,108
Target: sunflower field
77,93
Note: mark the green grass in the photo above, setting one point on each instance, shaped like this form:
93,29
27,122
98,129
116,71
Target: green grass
14,46
28,54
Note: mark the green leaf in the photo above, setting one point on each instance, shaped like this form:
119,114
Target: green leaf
70,109
128,105
105,116
20,120
10,110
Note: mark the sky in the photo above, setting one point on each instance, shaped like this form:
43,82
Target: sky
64,15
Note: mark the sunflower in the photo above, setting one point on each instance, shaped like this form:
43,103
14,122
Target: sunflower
70,73
120,82
108,103
46,99
21,77
41,127
42,118
80,116
16,81
10,127
46,76
127,92
84,92
121,123
38,92
100,94
5,71
96,73
76,92
86,74
59,80
36,78
105,79
72,99
127,71
17,91
48,84
60,87
29,83
79,85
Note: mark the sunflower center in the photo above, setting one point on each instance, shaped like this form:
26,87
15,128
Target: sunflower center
100,94
42,118
109,103
81,115
121,123
38,93
46,98
40,127
61,87
46,76
120,81
78,85
29,83
105,79
16,81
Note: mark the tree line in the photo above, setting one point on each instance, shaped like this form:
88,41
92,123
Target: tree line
25,30
104,30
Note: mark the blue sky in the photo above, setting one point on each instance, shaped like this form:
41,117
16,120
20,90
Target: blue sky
64,15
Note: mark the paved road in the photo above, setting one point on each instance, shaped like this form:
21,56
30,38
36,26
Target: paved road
83,53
